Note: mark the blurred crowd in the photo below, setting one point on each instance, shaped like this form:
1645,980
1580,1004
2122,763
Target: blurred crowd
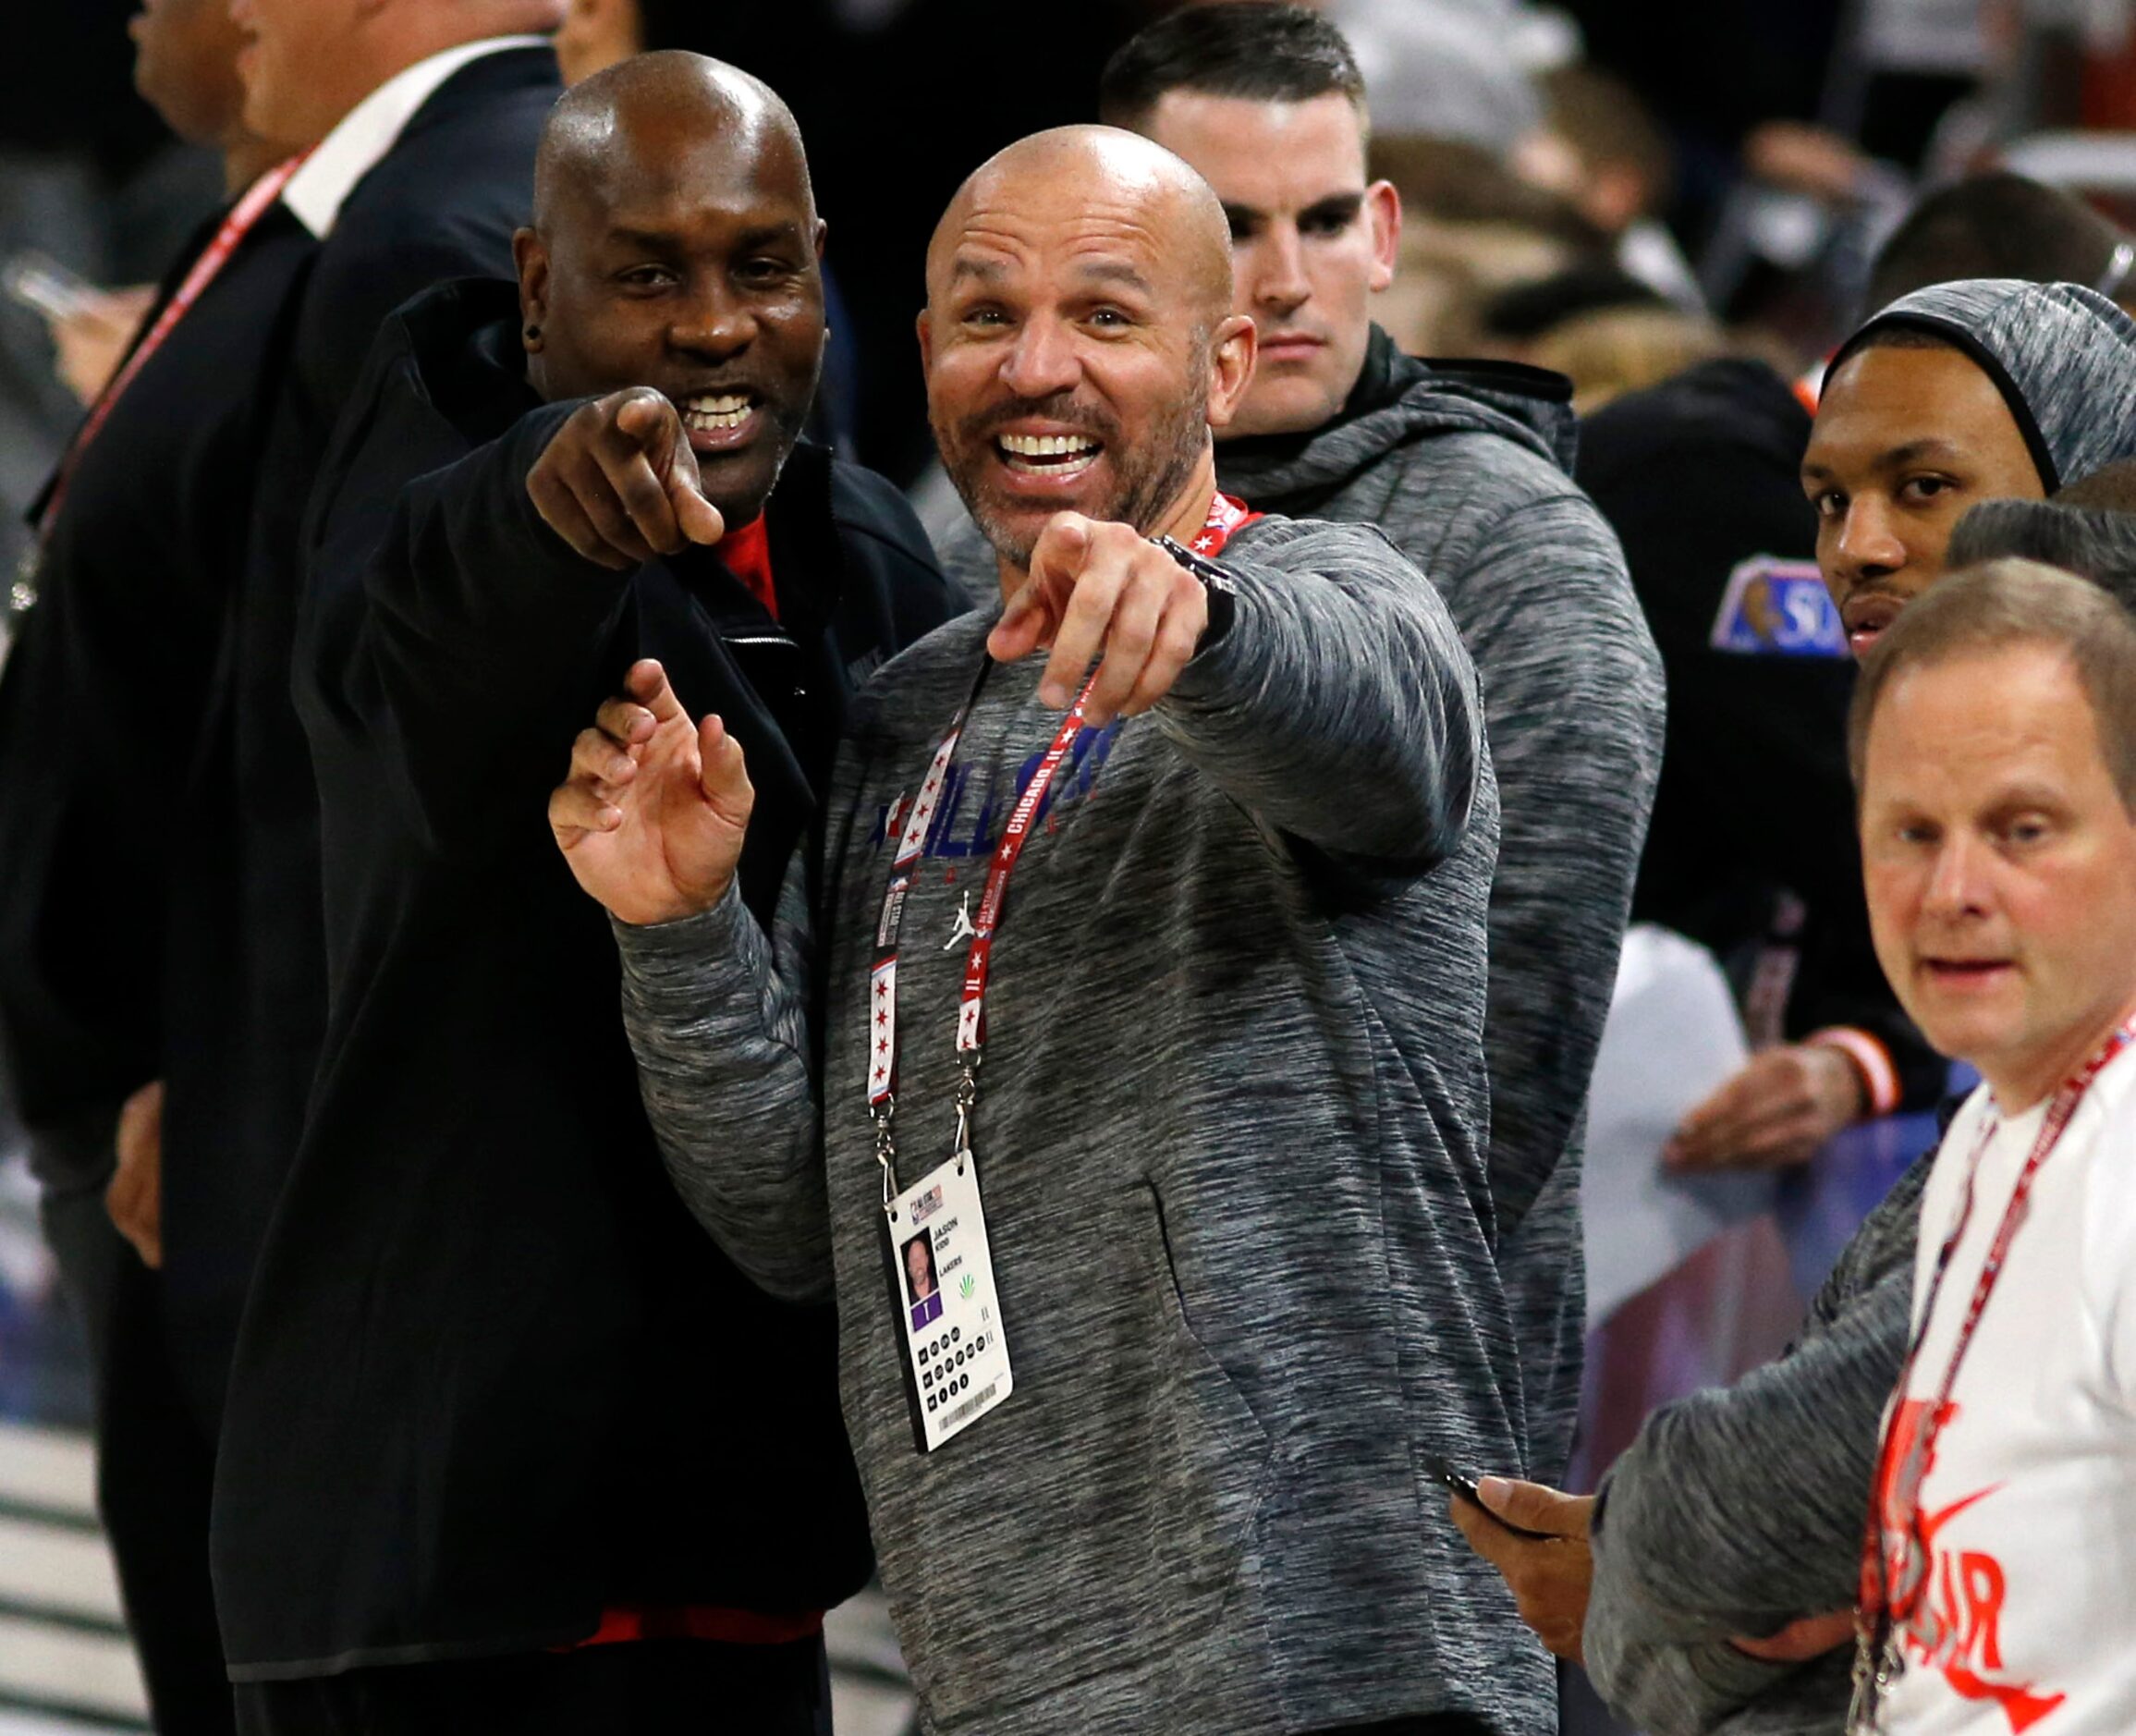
1498,477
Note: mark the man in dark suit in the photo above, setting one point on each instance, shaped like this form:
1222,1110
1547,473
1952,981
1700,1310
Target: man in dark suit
510,1445
423,120
136,538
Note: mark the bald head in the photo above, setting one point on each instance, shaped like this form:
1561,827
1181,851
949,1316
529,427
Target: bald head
1052,177
1078,337
644,118
676,245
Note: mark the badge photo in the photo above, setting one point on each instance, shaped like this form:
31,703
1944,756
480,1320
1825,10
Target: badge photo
948,1317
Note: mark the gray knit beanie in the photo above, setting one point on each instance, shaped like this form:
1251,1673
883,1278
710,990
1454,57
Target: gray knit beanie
2063,356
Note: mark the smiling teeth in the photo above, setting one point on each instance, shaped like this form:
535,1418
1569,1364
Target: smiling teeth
1048,446
716,410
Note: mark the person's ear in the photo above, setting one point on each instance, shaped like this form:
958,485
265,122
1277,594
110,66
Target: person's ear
926,332
1382,207
532,259
1231,353
822,236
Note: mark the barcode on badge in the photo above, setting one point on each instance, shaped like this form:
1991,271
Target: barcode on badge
984,1396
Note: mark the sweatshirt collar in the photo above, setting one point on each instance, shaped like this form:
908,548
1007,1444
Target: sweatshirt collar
317,191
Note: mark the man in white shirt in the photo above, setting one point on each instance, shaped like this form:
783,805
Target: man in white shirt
1994,743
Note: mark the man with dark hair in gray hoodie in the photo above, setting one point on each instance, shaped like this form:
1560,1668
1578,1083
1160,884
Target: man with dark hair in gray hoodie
1468,472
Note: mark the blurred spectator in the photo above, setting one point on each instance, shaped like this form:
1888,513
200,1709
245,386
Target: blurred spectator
1450,70
2094,543
1600,150
1465,469
1472,229
89,179
596,35
2111,488
1610,351
139,534
2000,225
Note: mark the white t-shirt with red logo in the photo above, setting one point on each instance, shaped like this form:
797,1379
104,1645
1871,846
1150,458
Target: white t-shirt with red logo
2028,1617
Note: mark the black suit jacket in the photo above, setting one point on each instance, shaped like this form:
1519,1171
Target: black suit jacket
493,1378
442,202
102,704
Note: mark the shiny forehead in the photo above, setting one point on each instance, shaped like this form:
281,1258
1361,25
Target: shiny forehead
1110,204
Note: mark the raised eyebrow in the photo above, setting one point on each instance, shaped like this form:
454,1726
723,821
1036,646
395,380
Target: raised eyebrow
984,270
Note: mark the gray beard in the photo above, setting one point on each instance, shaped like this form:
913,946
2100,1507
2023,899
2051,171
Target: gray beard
1145,492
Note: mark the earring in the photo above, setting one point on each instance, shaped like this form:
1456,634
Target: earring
533,334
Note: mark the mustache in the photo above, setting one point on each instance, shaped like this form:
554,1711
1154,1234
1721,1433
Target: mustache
1058,407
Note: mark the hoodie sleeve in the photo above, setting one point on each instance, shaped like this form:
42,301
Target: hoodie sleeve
1339,708
718,1015
1735,1512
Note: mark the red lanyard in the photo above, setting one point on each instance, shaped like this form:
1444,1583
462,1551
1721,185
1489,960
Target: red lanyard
1227,516
247,212
1878,1602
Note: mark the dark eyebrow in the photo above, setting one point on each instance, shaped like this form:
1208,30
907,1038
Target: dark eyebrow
985,269
645,240
1335,208
1243,216
1897,458
1914,451
769,235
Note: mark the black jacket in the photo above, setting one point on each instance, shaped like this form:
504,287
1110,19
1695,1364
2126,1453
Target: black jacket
102,704
1755,811
441,203
493,1378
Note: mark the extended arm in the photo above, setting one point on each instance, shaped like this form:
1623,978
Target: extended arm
471,649
1736,1513
1340,707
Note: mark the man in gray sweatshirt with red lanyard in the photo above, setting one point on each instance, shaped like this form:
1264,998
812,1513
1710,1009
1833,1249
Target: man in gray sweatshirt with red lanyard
1151,1327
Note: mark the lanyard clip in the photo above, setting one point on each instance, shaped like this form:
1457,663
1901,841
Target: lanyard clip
967,1100
886,1145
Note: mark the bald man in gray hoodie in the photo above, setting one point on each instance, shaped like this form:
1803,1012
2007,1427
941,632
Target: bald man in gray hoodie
1204,1276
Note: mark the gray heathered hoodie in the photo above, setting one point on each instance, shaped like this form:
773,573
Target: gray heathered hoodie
1231,1139
2062,356
1469,473
1735,1512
